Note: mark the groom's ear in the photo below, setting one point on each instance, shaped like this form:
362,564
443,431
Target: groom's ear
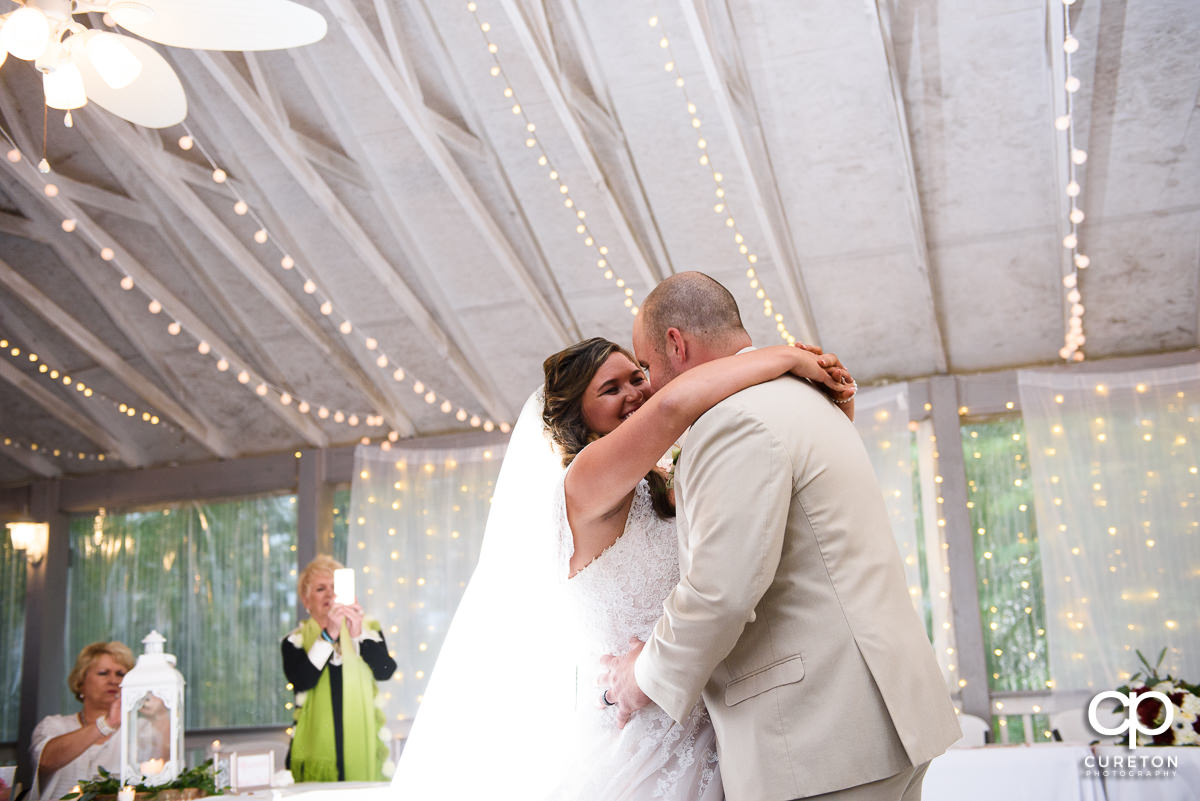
677,349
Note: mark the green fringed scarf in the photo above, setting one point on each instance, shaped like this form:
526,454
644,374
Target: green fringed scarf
314,751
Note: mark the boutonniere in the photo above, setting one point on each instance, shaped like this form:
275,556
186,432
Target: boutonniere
667,464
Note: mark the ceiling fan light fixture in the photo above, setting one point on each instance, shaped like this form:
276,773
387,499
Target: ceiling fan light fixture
129,14
26,33
63,86
117,65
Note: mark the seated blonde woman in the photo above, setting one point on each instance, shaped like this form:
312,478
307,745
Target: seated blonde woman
68,749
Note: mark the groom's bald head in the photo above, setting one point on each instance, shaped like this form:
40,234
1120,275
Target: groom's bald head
686,320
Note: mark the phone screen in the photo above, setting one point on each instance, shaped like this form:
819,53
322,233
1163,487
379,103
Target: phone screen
343,586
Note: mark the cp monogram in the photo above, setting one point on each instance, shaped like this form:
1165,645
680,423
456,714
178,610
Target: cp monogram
1131,703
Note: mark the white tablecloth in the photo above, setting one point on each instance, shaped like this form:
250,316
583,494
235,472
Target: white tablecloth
1044,772
1061,772
1152,779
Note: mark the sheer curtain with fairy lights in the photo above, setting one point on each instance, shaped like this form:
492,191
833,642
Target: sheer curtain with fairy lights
883,421
1114,460
416,521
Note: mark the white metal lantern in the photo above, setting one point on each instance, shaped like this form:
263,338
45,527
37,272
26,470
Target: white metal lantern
152,717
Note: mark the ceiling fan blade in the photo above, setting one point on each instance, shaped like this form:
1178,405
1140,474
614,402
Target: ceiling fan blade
221,24
155,98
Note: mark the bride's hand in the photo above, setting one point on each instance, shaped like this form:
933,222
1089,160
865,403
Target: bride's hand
837,379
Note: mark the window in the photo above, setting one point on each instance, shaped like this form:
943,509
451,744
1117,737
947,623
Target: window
217,579
1007,562
12,635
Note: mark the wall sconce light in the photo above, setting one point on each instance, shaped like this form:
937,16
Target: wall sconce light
32,538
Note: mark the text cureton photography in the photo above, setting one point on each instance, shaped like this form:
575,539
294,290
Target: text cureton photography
1131,766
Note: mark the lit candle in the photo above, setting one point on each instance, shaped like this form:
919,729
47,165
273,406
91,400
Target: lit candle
125,793
153,767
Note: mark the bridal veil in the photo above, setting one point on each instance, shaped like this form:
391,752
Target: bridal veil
495,720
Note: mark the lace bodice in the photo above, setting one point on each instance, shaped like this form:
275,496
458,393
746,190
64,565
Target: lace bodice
620,594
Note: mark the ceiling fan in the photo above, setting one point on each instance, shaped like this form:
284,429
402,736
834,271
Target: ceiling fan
125,75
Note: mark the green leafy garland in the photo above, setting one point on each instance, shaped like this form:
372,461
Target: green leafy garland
202,777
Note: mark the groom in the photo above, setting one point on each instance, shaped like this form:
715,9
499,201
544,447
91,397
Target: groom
791,617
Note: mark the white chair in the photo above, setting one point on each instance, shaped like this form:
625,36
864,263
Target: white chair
975,731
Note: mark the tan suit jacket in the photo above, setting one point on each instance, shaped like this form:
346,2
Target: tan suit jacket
792,616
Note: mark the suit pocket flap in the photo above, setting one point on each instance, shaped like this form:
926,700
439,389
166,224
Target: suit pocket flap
785,671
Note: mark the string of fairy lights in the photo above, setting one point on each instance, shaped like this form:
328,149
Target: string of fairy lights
538,149
721,207
56,376
22,444
1074,339
325,307
229,362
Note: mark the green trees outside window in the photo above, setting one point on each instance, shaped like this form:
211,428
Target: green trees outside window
1007,563
217,579
12,635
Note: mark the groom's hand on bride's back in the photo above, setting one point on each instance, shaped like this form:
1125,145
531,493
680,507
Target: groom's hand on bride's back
623,691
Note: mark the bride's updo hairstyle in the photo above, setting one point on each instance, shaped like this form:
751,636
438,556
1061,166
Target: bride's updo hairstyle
568,374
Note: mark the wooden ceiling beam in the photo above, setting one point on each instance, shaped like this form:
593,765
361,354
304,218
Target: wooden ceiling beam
232,247
72,253
331,161
112,361
539,50
387,198
415,117
265,90
197,175
361,243
390,26
69,416
222,306
99,198
753,158
33,462
916,215
17,326
466,107
454,134
356,237
16,225
626,167
195,425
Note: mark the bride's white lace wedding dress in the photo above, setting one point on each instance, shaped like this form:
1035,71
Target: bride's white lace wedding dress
616,597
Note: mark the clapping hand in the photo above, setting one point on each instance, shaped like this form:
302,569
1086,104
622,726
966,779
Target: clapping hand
113,715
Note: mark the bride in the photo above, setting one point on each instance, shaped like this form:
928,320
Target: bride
575,563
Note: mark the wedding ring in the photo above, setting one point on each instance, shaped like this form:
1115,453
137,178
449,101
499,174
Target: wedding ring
604,698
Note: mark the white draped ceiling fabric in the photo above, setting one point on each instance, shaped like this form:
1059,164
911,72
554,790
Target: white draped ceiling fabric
416,524
1114,459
